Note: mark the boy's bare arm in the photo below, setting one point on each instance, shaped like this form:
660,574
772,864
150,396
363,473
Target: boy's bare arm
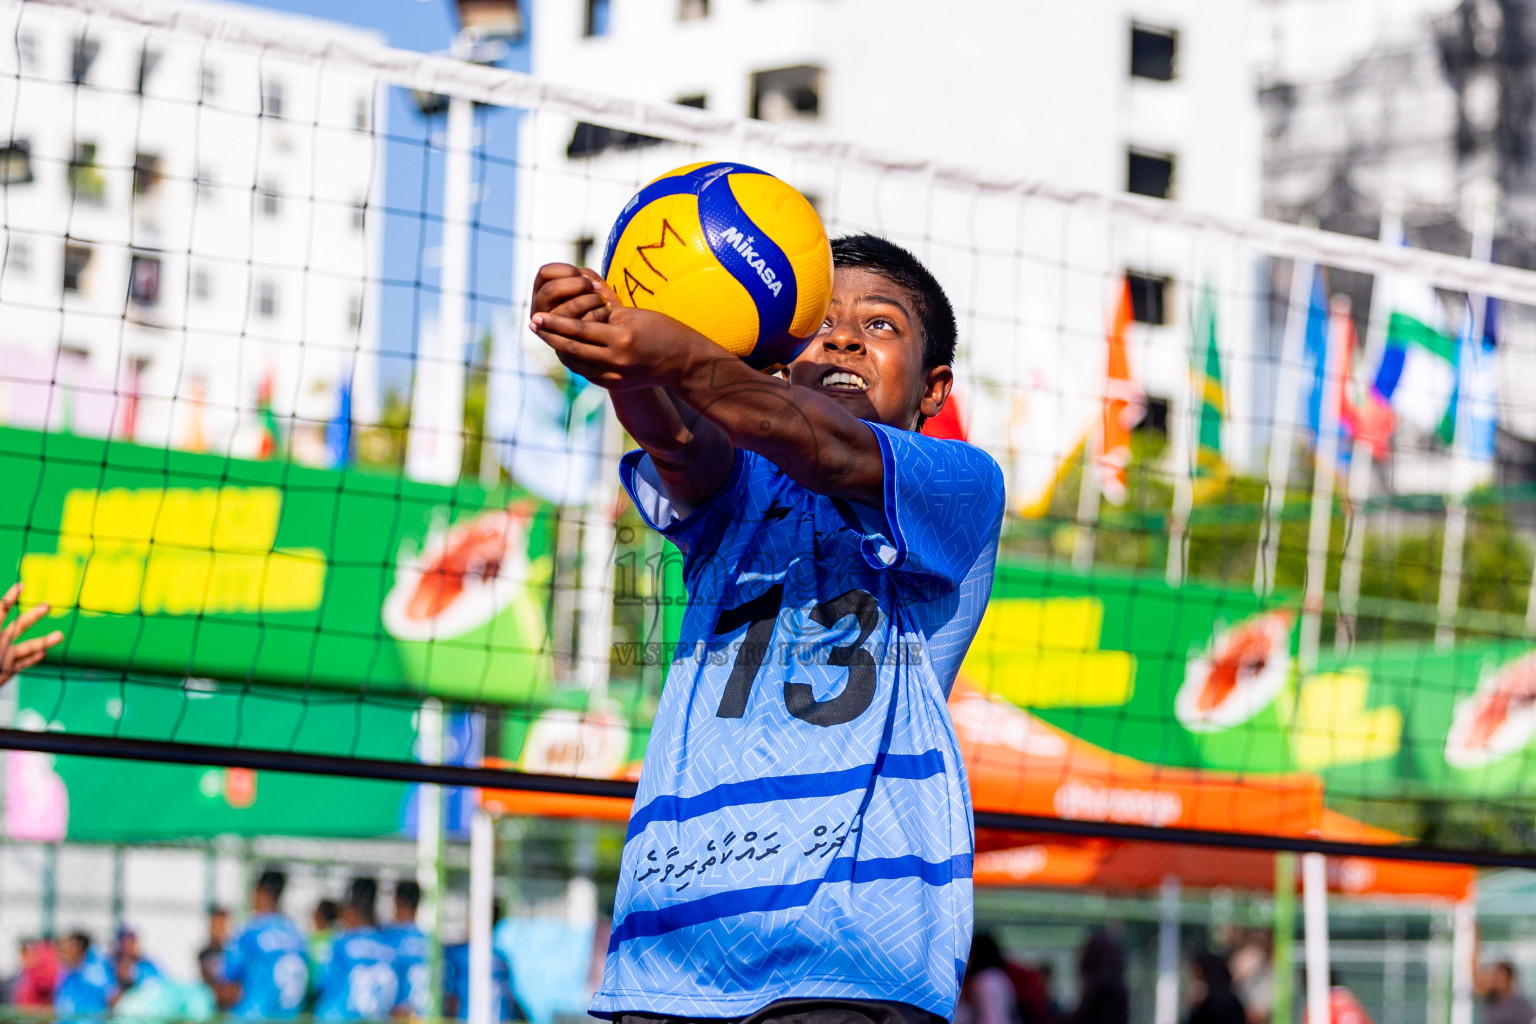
812,438
693,457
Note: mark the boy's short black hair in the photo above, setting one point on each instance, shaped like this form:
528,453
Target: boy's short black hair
363,897
891,261
408,893
272,882
328,911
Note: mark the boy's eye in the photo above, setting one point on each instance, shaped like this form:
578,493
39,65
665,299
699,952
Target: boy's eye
880,323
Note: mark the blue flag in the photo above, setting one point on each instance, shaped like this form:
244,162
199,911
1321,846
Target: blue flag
338,432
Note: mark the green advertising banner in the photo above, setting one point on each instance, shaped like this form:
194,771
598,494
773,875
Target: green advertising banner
191,564
49,798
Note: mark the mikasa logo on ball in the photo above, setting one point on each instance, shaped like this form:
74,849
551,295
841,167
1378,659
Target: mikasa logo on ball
743,244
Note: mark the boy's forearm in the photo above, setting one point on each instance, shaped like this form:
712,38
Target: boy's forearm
814,440
692,456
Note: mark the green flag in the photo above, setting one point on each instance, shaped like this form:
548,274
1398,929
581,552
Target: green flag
1210,399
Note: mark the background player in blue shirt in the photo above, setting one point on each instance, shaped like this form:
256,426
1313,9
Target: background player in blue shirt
801,843
456,979
87,985
359,982
267,959
413,975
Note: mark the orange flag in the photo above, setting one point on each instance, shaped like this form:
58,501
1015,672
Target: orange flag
1124,405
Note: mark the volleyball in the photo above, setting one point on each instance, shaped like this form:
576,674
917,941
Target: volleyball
731,251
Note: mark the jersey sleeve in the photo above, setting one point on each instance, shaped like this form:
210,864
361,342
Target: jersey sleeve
233,967
701,529
943,506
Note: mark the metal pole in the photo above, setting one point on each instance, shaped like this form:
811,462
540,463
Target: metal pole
1282,961
1326,467
595,599
1314,892
1463,953
482,867
1184,443
429,838
1283,430
1360,462
1461,470
438,445
1168,952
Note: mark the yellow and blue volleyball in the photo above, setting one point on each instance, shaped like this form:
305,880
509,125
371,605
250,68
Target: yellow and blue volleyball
731,251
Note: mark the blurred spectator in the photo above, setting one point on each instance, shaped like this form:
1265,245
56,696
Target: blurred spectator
1102,996
1211,992
322,932
986,993
218,931
359,979
456,980
128,956
1047,972
1343,1007
1505,1003
39,975
266,963
1253,976
413,975
86,987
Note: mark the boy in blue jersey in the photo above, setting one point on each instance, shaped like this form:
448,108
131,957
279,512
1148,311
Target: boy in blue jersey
456,979
87,986
413,975
266,962
359,981
801,843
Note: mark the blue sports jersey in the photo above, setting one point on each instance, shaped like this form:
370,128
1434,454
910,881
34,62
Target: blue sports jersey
802,827
269,961
413,975
85,990
359,981
456,981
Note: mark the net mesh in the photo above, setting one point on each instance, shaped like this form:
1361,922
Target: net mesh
285,464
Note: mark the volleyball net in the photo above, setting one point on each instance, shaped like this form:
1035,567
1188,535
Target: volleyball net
304,494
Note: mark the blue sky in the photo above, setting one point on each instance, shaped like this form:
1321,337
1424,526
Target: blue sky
414,182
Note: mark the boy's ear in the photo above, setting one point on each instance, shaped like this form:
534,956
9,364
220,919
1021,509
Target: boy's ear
937,383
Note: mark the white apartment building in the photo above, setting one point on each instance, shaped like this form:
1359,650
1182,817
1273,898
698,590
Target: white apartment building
188,228
1150,96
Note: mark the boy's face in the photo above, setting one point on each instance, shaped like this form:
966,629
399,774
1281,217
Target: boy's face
869,353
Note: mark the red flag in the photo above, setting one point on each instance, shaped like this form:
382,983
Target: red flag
949,423
1124,406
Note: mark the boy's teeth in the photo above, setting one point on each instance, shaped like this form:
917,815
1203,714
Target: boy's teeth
842,379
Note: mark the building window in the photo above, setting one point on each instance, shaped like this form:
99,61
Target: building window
208,86
583,249
85,181
85,53
697,102
148,61
355,312
1149,173
18,255
144,280
26,49
592,139
16,163
146,173
1154,52
787,94
1149,297
268,201
202,283
266,298
76,259
692,10
272,98
595,23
